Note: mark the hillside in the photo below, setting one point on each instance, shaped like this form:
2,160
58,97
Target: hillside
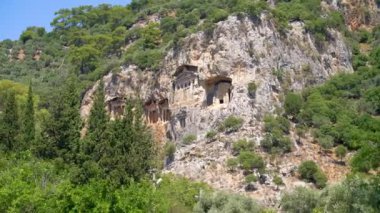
204,106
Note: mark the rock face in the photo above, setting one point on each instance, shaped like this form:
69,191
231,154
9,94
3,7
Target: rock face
358,13
206,78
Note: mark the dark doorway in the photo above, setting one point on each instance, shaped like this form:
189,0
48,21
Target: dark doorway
210,98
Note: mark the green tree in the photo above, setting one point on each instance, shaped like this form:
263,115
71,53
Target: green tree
10,126
168,25
128,151
301,200
96,134
98,119
29,127
249,161
85,58
326,142
293,104
307,169
221,202
62,130
340,152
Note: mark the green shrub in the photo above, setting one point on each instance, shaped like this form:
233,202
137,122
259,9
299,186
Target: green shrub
279,123
144,59
251,178
277,180
311,172
170,149
188,139
231,124
243,145
300,200
249,161
168,24
293,104
221,202
307,169
320,179
326,142
217,15
355,194
211,134
276,143
232,163
340,152
190,19
252,87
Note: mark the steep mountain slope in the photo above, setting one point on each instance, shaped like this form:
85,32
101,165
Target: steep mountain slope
207,78
215,79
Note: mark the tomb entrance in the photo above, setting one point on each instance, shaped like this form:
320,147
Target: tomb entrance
218,90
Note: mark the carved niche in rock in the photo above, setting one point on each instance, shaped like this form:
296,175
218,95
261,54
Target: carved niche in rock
186,80
218,90
156,108
116,107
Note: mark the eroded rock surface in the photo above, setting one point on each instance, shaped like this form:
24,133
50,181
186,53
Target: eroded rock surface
206,78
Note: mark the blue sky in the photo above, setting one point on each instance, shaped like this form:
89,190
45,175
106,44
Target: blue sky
16,15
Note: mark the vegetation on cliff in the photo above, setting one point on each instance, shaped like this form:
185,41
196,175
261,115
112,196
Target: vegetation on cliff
46,166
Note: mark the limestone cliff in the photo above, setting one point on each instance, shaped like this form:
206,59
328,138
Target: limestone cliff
205,78
357,13
238,52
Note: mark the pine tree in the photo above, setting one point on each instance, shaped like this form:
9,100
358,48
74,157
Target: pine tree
128,151
10,122
28,120
62,130
97,123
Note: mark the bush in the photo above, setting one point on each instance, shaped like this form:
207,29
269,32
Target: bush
170,149
279,123
320,179
301,200
278,180
355,194
217,15
340,152
252,87
232,163
188,139
144,59
211,134
231,124
293,104
168,25
307,170
311,172
221,202
275,143
250,178
243,145
249,161
326,142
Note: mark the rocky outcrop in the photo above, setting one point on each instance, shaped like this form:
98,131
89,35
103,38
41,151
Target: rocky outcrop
242,68
238,52
357,13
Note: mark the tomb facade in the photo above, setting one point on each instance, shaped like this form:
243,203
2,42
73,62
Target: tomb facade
218,90
186,81
116,107
156,111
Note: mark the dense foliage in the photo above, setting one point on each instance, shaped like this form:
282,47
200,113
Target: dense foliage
355,194
345,110
221,202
